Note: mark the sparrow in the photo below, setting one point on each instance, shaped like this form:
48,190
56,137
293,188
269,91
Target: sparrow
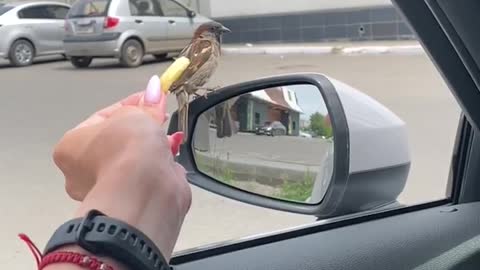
203,51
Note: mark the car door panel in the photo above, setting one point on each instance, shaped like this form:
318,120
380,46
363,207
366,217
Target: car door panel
147,21
153,31
44,30
180,32
180,26
403,241
58,14
52,37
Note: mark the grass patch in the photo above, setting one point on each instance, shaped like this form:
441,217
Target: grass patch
217,170
298,191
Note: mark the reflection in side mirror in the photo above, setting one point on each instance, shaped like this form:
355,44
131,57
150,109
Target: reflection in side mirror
275,142
191,13
355,149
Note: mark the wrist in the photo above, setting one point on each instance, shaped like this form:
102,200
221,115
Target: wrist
140,201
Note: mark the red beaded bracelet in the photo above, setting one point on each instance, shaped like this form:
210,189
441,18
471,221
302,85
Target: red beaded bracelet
82,260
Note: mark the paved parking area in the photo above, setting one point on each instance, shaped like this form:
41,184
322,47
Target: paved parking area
40,102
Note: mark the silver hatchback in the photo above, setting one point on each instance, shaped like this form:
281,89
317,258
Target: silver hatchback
127,30
31,29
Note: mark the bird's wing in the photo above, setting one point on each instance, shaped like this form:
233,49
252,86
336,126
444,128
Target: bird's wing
199,52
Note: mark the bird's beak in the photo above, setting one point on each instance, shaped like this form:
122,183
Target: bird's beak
225,30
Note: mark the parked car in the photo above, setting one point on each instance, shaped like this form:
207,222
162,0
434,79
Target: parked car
305,135
28,30
274,128
127,30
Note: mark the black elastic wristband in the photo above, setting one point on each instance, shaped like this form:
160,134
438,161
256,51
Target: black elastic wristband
104,236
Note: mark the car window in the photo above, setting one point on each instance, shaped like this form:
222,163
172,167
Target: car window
36,12
365,46
145,8
368,48
57,12
172,9
4,8
89,8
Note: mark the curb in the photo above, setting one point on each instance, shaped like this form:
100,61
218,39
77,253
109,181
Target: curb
264,174
321,50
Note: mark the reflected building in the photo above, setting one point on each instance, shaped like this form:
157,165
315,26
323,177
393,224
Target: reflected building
262,108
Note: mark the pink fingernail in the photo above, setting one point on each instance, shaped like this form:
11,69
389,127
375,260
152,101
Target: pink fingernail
153,94
176,140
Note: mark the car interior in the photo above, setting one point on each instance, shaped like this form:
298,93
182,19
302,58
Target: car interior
443,234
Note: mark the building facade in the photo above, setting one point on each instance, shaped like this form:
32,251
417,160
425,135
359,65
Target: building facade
290,21
261,108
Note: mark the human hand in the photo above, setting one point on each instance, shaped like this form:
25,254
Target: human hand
78,181
126,159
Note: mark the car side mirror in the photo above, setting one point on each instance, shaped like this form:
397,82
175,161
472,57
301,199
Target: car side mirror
302,143
191,13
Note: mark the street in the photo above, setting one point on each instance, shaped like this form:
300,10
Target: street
40,102
281,149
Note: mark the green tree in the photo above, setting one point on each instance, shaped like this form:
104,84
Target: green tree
316,124
319,126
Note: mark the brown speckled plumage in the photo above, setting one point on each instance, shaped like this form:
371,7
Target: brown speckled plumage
203,51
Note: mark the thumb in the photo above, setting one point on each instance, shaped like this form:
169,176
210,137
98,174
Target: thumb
154,101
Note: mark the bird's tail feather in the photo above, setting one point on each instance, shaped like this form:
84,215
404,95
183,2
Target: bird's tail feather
224,122
182,100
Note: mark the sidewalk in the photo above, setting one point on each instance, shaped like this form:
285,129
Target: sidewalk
343,48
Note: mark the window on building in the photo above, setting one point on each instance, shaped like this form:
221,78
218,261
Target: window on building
294,125
257,119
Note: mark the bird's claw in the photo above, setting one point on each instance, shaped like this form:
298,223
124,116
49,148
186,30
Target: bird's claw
207,91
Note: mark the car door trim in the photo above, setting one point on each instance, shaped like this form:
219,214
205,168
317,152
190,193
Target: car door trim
224,247
100,38
154,39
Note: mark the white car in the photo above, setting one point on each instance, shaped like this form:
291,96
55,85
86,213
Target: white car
304,135
128,30
31,29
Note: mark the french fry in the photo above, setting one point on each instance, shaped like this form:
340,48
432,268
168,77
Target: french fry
173,72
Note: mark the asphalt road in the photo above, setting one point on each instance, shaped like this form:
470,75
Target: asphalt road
281,149
40,102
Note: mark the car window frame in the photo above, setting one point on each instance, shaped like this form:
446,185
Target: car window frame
156,8
175,3
60,6
463,184
77,16
32,7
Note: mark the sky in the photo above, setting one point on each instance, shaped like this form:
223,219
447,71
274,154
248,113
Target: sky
309,99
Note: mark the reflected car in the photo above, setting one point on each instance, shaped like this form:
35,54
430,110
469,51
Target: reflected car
305,135
274,128
127,30
29,30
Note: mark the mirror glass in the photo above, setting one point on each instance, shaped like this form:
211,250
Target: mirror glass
275,142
